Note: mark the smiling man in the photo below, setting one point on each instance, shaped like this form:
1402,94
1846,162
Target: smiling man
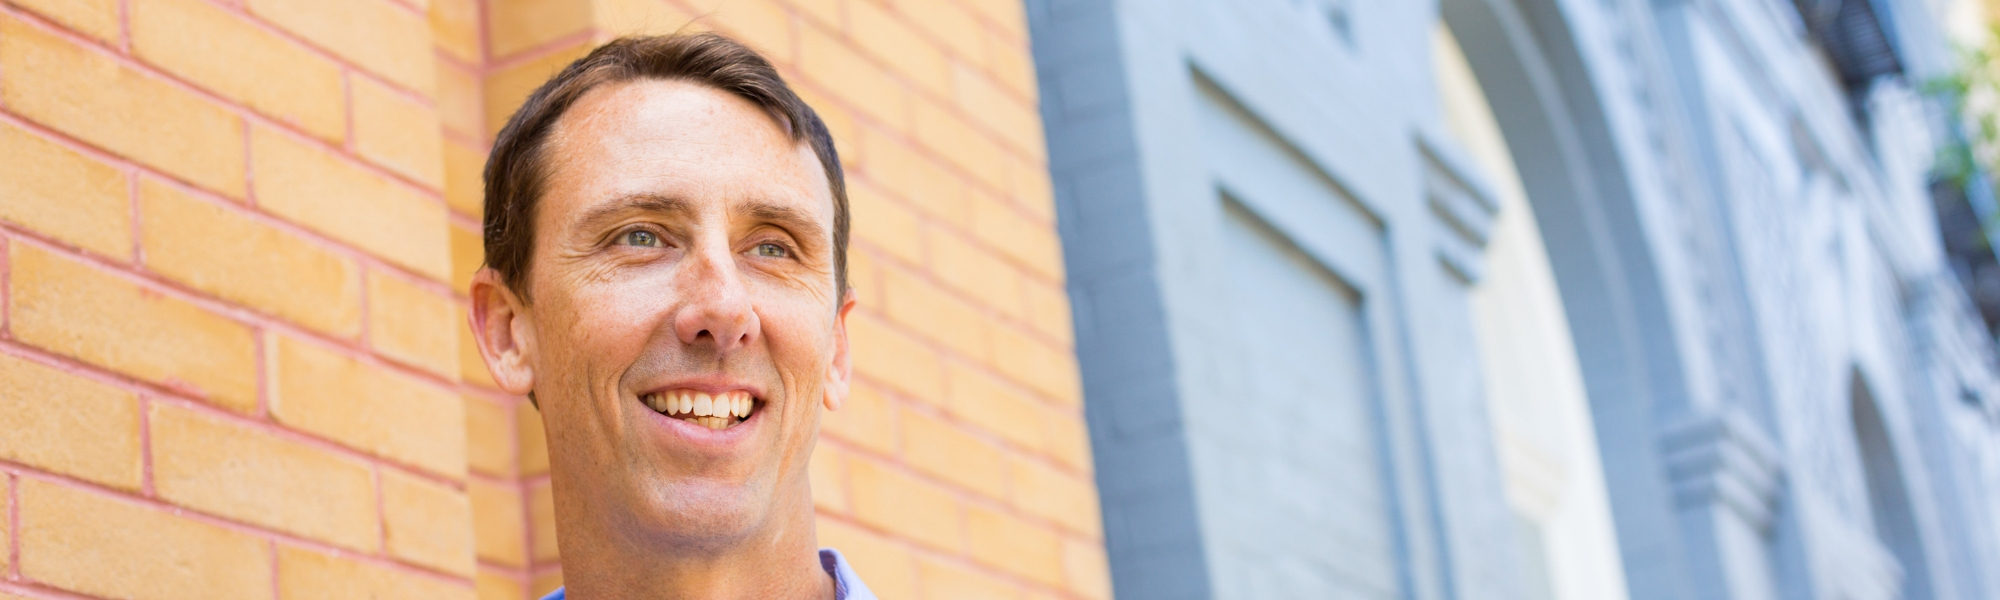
666,237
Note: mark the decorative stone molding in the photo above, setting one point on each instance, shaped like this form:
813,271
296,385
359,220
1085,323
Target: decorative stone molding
1723,457
1457,195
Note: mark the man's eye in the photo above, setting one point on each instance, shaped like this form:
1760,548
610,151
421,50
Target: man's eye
642,238
771,250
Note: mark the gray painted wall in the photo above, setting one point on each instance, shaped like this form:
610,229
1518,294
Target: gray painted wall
1270,247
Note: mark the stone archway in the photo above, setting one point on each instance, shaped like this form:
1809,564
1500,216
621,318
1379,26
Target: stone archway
1889,507
1528,61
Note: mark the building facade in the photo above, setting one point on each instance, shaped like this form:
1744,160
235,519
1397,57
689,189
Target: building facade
235,240
1521,298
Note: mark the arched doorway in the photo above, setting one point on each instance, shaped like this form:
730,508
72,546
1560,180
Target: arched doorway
1889,508
1534,390
1530,67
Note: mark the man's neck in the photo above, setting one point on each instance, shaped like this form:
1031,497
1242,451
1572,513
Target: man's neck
780,564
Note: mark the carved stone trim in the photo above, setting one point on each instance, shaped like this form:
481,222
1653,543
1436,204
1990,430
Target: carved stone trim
1722,457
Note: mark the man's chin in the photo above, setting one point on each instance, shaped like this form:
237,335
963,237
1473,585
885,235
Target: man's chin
699,511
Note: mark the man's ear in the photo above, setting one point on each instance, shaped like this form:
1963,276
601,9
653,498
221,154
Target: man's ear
841,374
505,332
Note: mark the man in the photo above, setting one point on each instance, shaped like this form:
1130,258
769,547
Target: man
666,237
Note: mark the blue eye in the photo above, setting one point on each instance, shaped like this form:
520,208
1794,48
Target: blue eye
641,237
771,250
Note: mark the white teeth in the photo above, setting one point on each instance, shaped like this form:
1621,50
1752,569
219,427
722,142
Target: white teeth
704,405
742,406
686,402
715,412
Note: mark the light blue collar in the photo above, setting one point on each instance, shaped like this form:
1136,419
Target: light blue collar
846,584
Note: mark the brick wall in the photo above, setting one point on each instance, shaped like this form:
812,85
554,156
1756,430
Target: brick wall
235,238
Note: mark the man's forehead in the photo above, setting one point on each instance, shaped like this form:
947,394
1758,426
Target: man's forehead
689,142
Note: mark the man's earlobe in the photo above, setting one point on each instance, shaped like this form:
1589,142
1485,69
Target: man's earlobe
504,331
841,374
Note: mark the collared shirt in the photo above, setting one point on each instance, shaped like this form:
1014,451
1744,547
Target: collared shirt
846,584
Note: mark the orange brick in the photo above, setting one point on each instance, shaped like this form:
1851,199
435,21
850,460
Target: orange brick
946,319
864,276
827,60
1001,111
1007,543
1068,500
1007,15
541,584
534,442
1069,442
253,476
455,28
614,18
63,194
89,543
88,95
893,358
830,13
68,424
94,18
1085,568
507,88
1048,311
946,452
495,585
762,24
542,522
941,579
1045,369
1030,188
311,575
464,179
489,436
76,310
516,25
6,525
829,479
905,506
471,366
458,104
398,132
1032,245
268,73
381,412
217,249
975,271
914,176
426,523
499,533
866,420
468,252
886,565
897,44
949,136
314,188
948,24
884,223
1011,63
411,324
994,405
387,40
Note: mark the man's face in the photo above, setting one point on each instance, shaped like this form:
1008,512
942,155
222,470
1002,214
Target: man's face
683,256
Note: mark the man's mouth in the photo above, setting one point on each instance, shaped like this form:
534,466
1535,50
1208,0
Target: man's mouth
714,411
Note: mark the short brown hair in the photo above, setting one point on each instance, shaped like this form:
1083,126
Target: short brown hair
516,169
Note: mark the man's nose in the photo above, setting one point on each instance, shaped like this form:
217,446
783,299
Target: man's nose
718,309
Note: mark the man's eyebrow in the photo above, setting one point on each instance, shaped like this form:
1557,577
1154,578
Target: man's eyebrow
602,214
800,224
